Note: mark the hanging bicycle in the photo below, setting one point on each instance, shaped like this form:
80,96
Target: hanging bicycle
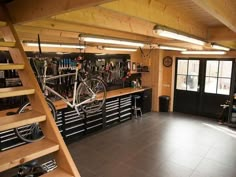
89,94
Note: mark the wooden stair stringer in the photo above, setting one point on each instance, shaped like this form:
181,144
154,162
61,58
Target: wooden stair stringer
37,100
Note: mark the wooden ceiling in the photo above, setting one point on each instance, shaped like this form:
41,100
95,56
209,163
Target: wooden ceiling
61,21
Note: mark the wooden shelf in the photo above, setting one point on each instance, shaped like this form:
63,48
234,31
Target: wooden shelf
7,44
15,91
22,154
17,120
2,23
11,66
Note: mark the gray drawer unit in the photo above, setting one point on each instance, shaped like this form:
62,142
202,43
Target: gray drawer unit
125,108
112,111
8,140
59,121
73,124
94,121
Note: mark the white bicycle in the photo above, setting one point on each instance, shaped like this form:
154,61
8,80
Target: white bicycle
89,94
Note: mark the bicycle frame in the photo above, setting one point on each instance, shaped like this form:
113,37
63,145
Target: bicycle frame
64,99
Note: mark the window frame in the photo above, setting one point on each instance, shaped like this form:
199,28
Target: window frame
217,77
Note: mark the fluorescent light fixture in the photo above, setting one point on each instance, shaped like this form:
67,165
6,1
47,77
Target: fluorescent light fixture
62,53
219,47
98,54
72,46
171,48
162,31
106,40
202,52
120,49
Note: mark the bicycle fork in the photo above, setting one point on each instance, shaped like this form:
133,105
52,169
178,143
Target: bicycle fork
77,110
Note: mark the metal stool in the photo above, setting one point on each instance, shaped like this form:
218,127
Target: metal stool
135,108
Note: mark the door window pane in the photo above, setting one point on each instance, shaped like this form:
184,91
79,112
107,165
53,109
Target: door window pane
181,82
212,68
182,67
225,69
223,86
210,84
192,83
193,67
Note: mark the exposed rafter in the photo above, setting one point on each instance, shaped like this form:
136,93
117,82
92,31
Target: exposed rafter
221,34
81,28
158,13
28,10
224,11
110,20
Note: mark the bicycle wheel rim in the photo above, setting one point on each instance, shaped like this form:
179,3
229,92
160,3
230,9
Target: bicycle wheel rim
96,104
28,133
32,132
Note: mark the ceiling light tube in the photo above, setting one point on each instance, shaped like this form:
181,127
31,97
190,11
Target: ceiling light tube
219,47
106,40
203,52
98,54
162,31
34,44
171,48
120,49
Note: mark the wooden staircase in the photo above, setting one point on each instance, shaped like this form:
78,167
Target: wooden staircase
53,142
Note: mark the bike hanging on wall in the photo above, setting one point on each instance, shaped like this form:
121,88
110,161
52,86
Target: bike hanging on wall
89,94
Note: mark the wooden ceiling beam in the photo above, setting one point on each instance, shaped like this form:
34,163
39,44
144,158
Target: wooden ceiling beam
43,31
60,25
221,34
158,13
110,20
68,50
27,10
47,38
224,11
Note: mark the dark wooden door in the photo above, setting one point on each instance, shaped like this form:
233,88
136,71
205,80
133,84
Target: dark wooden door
202,85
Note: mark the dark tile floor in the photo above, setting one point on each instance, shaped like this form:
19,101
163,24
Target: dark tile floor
159,145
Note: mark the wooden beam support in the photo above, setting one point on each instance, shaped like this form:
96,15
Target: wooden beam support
158,13
231,44
2,23
221,34
47,38
68,50
45,32
43,8
7,44
103,18
224,11
123,30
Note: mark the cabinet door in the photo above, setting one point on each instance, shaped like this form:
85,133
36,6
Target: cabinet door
147,101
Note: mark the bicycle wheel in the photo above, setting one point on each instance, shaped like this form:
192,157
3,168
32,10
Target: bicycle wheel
32,132
84,93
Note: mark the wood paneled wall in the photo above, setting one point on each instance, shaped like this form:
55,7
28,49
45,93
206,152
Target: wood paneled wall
160,78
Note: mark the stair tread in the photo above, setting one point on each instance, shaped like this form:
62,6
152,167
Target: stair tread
7,44
57,173
6,66
2,23
17,120
15,91
25,153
